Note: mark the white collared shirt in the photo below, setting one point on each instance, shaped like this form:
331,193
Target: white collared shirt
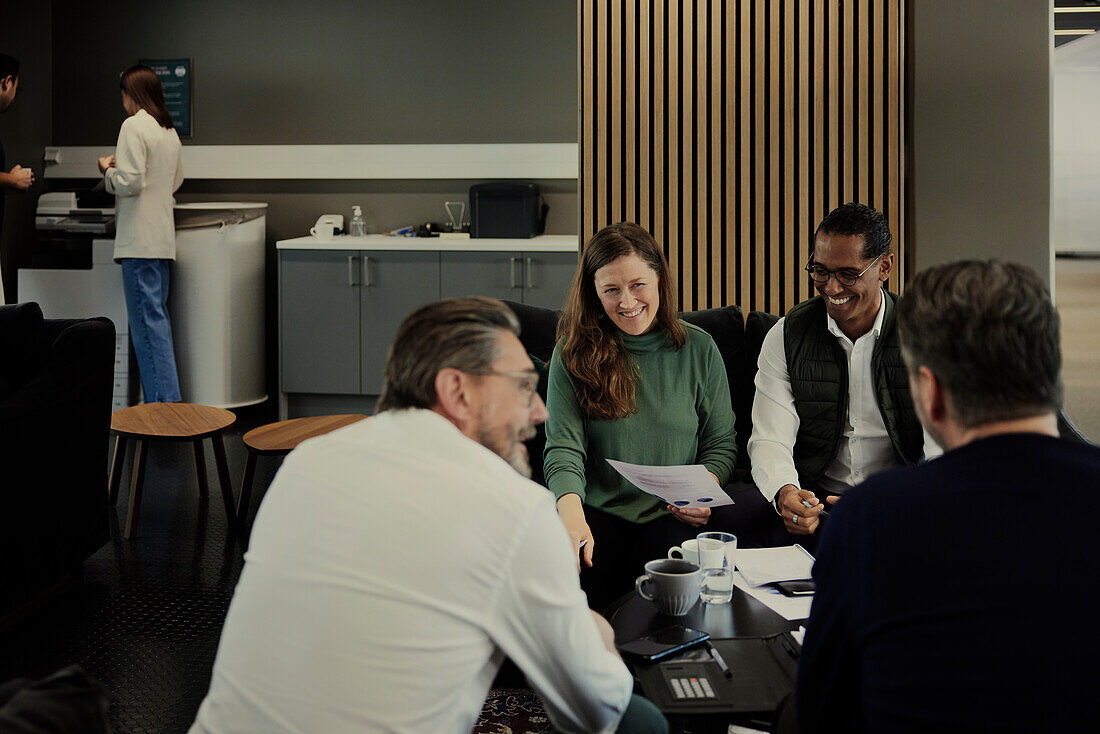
393,564
865,446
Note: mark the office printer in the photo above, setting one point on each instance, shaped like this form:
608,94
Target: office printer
66,223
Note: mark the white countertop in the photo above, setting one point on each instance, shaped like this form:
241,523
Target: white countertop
542,243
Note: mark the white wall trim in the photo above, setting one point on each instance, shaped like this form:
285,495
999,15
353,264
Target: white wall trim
484,161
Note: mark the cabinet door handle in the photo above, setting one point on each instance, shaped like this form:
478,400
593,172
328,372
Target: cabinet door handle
367,280
529,275
353,270
513,262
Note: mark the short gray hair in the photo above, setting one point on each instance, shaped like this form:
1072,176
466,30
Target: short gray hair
462,333
990,334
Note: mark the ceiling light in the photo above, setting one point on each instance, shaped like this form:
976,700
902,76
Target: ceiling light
1078,32
1079,9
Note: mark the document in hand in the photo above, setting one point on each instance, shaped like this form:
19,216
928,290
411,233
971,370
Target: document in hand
762,566
682,486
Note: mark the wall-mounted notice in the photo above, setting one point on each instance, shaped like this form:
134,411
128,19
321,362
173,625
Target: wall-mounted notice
175,77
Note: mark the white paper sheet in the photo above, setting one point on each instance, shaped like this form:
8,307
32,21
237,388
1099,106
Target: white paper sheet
683,486
765,565
788,607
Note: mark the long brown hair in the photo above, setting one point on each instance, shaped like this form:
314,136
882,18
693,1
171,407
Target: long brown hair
603,371
142,86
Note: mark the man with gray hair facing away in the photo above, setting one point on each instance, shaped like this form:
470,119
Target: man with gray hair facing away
394,563
947,592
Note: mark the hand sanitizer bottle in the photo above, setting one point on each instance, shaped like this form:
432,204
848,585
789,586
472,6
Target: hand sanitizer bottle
357,227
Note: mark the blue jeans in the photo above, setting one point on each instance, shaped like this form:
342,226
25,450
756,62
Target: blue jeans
145,283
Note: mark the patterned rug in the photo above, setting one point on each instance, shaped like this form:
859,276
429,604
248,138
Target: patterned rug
512,711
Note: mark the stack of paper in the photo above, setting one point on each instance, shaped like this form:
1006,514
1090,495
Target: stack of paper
762,566
759,566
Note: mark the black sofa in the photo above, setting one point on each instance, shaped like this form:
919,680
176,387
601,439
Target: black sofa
738,340
56,380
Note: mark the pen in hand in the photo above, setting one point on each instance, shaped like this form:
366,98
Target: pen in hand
719,661
824,510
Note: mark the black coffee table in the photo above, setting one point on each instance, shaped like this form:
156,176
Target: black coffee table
744,617
632,616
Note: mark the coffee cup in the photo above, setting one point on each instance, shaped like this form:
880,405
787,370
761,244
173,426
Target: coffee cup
688,551
323,229
671,584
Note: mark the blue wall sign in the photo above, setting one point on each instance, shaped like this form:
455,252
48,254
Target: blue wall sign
175,77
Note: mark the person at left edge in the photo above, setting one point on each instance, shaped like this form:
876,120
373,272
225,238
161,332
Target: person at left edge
631,381
143,174
19,178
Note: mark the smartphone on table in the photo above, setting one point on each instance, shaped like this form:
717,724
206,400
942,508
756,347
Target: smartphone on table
664,643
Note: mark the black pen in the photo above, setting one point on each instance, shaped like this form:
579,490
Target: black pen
824,510
719,661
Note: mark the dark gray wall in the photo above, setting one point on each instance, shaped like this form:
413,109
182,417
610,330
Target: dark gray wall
329,71
290,72
979,155
26,127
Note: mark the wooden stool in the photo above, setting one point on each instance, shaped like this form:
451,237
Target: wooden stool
279,439
169,422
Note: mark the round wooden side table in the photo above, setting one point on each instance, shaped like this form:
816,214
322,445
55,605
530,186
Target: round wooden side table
279,439
169,422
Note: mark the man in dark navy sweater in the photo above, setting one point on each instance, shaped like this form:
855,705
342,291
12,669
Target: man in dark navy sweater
955,595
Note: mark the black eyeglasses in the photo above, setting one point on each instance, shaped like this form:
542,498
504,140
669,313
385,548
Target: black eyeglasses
844,276
527,380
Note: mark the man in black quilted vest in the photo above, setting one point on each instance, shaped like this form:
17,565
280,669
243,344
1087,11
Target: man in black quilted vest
832,404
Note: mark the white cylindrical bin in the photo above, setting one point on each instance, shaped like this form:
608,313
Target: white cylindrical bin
217,302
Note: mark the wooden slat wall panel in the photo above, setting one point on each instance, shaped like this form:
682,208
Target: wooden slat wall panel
729,128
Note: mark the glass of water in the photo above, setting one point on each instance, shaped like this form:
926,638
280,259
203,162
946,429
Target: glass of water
716,552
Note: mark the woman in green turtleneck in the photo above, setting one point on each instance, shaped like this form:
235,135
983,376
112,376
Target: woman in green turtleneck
630,381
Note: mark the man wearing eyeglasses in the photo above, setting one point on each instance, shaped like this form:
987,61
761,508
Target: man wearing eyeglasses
394,563
832,404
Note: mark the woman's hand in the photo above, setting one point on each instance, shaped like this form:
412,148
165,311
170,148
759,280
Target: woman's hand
571,512
107,161
695,516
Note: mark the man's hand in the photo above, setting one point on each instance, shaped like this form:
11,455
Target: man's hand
797,518
21,178
695,516
607,635
571,512
107,161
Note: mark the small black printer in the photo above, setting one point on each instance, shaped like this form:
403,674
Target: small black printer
507,210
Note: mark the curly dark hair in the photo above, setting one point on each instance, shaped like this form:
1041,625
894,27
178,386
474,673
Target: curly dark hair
858,219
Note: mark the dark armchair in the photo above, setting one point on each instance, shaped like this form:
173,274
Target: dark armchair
56,381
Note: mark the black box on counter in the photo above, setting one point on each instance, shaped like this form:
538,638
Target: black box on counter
507,210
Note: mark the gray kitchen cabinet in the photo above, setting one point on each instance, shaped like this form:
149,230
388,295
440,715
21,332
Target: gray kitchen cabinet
393,284
493,274
547,277
318,321
339,307
534,278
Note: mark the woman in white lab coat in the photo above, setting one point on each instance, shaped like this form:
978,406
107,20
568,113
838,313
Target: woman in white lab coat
143,174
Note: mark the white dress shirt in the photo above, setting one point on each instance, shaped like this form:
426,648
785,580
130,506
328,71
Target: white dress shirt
147,172
393,565
865,446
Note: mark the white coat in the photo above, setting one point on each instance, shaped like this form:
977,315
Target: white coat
146,173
